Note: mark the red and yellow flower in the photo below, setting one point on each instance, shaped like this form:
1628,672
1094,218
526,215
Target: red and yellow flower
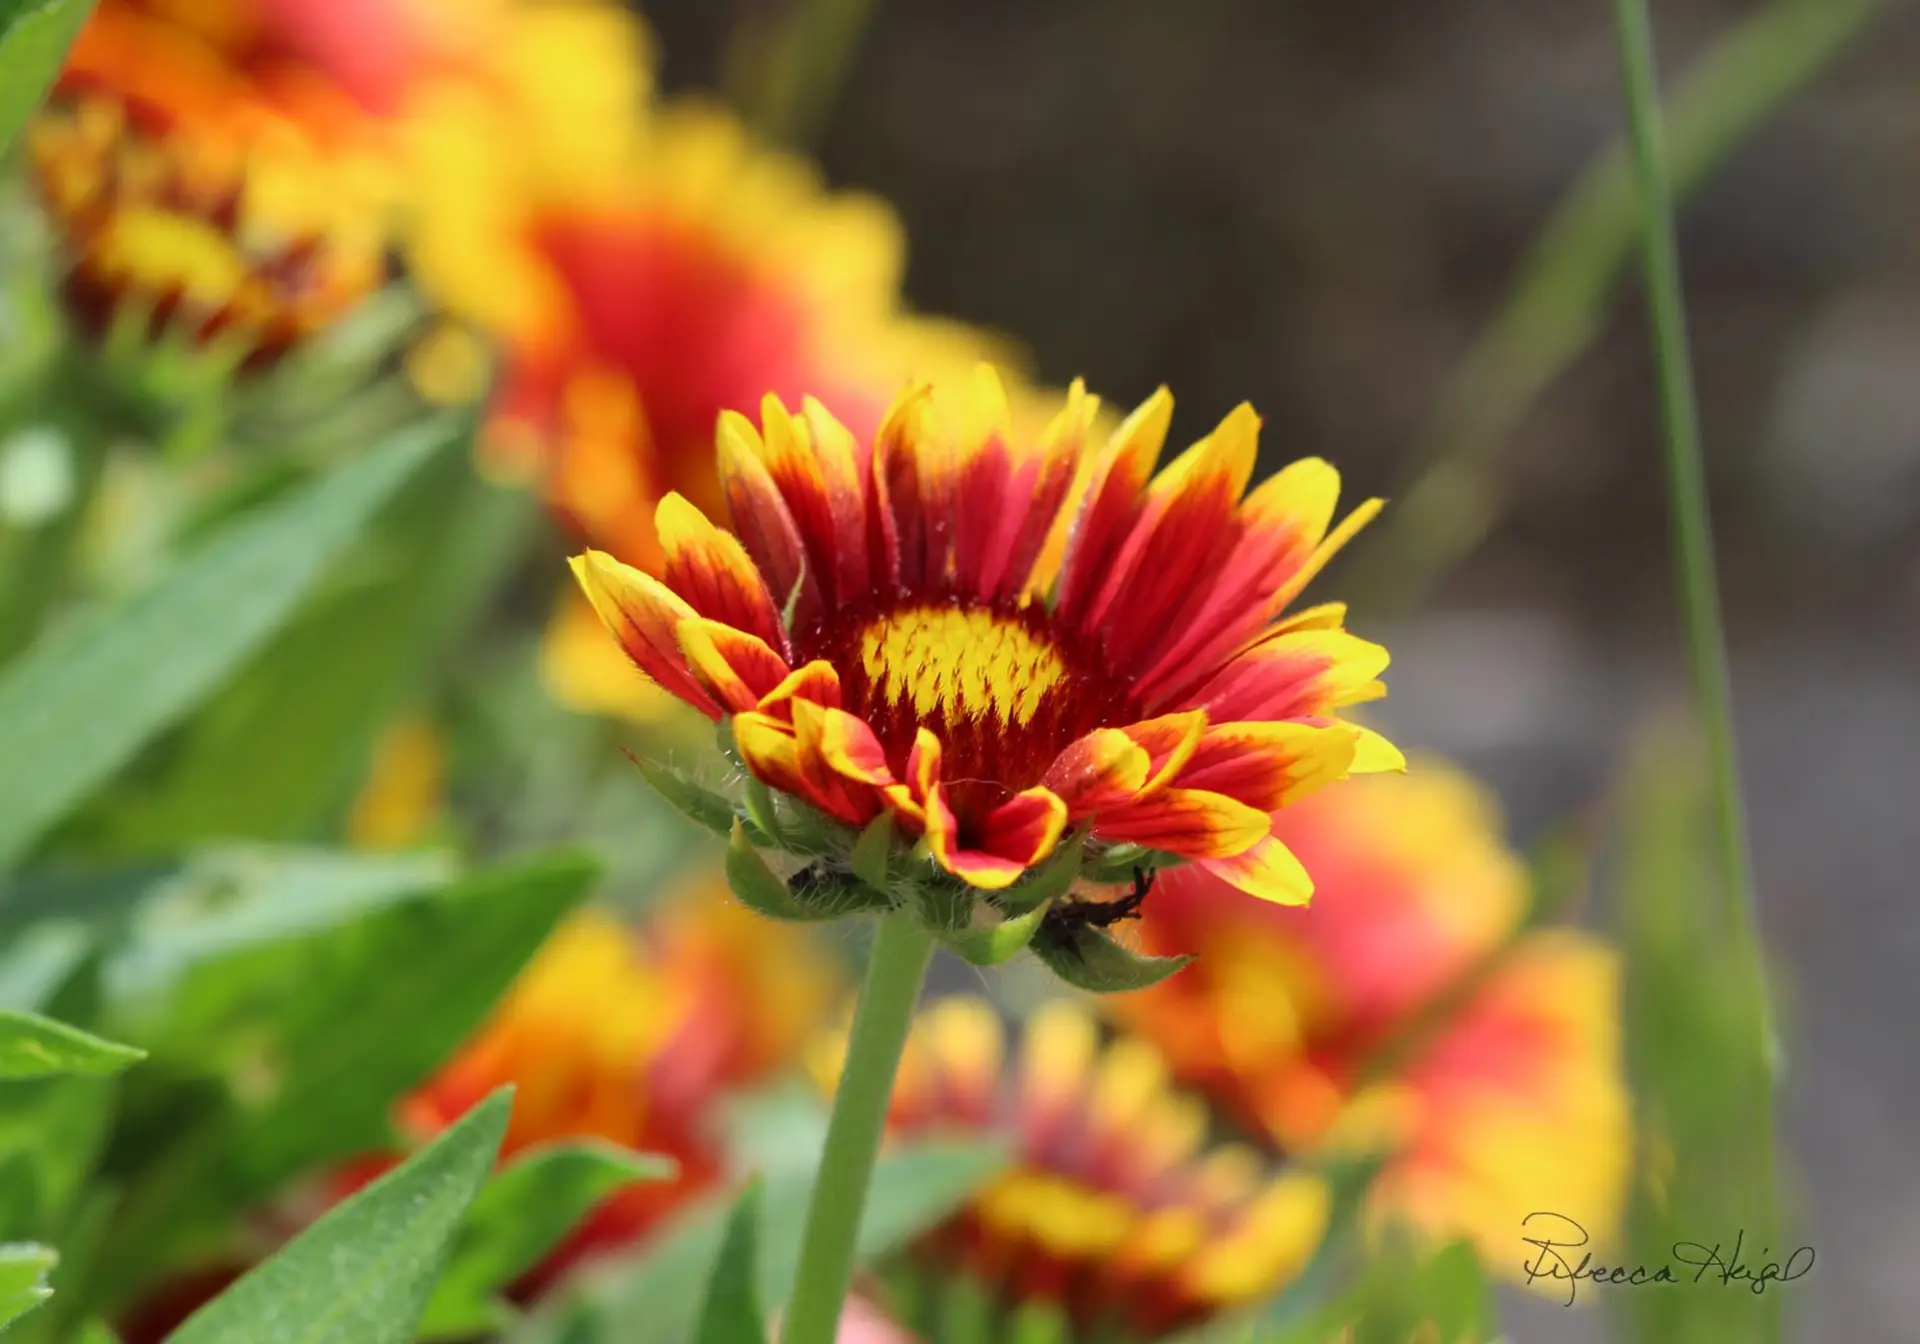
634,1037
888,629
223,170
1113,1211
1508,1100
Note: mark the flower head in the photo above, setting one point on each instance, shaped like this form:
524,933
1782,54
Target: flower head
208,182
1508,1099
1113,1212
889,632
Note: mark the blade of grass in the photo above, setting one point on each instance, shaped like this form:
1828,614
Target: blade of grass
1560,298
786,74
1692,524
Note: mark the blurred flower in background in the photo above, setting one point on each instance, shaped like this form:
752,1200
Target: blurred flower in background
1405,1013
221,171
1115,1219
645,267
635,1037
937,665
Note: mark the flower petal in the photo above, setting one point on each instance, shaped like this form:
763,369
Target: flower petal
1032,822
643,614
761,519
1294,675
1026,827
1268,765
1111,504
1374,755
1177,549
1104,768
1169,742
817,681
1268,871
1189,822
844,742
710,569
737,667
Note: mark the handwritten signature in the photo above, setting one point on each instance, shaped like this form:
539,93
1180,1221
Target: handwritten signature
1554,1236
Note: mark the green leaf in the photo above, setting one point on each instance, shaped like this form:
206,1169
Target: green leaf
23,1278
871,850
1049,882
34,37
731,1313
521,1215
758,886
992,944
329,1032
32,1046
79,703
371,645
223,903
701,805
363,1272
914,1188
1088,959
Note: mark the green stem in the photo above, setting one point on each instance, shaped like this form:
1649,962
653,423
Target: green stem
1692,523
896,966
1559,300
786,75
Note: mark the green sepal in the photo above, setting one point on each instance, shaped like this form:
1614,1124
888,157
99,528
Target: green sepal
992,944
758,886
946,906
1117,864
1088,959
1049,881
872,850
701,805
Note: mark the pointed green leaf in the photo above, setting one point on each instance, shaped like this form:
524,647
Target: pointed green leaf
419,975
758,886
34,37
732,1314
32,1046
78,704
367,649
1088,959
701,805
871,850
1049,881
521,1215
23,1278
362,1273
993,944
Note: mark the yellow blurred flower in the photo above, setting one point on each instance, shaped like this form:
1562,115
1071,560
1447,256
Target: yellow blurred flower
1512,1102
1115,1210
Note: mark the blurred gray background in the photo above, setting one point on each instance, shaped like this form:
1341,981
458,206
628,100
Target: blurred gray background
1317,207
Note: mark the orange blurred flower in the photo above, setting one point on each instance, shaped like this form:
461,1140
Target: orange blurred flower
221,171
885,630
1114,1211
635,1037
1511,1101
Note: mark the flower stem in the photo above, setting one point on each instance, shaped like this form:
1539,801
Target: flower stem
896,967
1692,524
1557,307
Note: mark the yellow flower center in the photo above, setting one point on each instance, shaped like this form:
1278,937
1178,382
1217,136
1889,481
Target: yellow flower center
952,663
